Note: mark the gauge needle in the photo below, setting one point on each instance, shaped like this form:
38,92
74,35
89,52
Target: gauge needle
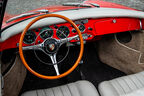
62,32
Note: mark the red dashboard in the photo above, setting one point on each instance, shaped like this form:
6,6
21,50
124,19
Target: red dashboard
92,28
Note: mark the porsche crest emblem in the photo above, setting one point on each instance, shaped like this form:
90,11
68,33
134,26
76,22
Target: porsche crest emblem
51,47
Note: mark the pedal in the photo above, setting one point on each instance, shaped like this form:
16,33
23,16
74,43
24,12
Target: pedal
81,73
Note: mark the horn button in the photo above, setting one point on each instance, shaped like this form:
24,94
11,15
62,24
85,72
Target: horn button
51,46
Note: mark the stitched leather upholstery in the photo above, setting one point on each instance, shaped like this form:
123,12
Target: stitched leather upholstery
132,85
79,88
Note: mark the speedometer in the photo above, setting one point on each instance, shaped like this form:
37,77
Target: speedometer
46,32
29,37
62,32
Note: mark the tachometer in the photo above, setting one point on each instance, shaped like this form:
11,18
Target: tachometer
62,32
46,32
29,37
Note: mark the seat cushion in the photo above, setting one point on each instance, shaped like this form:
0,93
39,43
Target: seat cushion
79,88
132,85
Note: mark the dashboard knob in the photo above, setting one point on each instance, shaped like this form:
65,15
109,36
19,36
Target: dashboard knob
55,26
73,30
89,28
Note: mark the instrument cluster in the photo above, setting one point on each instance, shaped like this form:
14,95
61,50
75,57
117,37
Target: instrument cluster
58,31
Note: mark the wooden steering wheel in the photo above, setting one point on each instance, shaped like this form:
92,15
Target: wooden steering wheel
51,53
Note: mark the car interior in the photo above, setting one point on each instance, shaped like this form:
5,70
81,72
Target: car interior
93,48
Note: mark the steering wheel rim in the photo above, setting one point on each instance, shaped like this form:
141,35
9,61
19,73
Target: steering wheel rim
21,50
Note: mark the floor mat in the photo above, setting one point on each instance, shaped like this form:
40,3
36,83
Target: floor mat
94,70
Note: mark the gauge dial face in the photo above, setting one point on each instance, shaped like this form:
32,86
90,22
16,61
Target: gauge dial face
46,32
81,28
62,32
29,37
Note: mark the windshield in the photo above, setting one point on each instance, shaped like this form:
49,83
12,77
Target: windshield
21,6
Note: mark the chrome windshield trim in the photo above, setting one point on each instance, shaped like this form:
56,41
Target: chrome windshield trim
76,4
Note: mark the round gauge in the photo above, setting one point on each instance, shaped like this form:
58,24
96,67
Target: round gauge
62,32
29,37
46,32
81,28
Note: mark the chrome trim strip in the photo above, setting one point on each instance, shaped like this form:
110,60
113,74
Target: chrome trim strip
95,5
141,27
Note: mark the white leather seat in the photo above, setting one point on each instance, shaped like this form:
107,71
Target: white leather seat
132,85
79,88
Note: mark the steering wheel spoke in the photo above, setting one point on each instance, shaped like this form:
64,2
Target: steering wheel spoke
54,61
34,47
65,40
56,69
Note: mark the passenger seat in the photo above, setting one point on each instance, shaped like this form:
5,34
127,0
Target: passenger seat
132,85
